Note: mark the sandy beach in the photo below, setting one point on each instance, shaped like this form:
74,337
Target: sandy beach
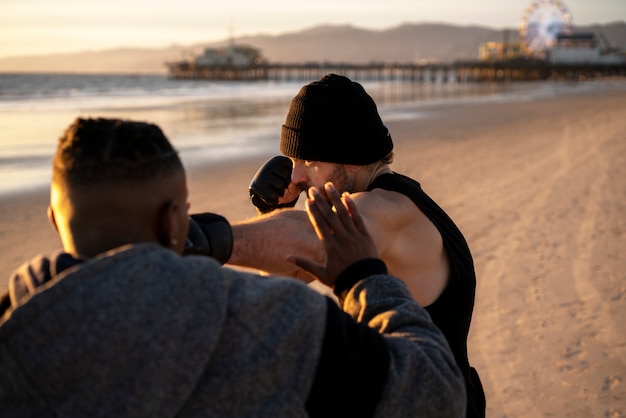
539,190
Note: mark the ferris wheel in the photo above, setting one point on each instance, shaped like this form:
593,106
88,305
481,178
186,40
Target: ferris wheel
541,22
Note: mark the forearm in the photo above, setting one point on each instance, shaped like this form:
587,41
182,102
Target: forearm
394,360
265,242
421,363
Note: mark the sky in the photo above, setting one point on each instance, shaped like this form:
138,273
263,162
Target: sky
30,27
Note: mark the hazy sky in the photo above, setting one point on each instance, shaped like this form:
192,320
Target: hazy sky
44,26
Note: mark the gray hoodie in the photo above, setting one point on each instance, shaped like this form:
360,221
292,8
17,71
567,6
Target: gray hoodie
143,332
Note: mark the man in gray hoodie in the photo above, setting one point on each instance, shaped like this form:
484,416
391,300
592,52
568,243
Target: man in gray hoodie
120,324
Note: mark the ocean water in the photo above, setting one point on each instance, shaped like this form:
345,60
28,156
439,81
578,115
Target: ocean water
207,121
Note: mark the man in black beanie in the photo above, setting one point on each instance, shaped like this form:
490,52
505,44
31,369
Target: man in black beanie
333,132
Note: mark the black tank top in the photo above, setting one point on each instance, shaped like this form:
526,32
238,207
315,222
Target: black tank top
452,311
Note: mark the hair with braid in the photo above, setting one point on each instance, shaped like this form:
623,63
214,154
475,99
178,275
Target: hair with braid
99,151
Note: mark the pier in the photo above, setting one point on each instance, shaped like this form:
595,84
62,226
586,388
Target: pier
457,72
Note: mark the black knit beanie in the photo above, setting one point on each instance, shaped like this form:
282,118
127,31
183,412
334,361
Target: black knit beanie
334,120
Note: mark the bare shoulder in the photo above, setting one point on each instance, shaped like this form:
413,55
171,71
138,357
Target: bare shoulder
395,218
387,207
407,240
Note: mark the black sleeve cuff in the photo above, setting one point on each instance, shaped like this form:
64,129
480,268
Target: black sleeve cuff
352,370
356,272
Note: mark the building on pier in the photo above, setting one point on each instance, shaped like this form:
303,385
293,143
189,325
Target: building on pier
234,62
583,48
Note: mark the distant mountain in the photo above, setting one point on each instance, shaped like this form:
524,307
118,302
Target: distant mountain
121,61
408,43
405,43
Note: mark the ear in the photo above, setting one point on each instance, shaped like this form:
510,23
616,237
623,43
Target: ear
168,227
52,219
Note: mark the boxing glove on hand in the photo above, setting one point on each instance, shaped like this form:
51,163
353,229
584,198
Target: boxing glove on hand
211,235
269,184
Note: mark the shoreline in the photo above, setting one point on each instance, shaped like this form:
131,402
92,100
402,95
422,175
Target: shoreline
210,122
538,187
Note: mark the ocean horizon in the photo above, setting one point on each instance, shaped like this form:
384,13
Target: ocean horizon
206,121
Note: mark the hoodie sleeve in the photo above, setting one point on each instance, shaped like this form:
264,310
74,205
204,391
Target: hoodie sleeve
392,362
32,275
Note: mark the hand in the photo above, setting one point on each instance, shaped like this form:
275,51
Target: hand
271,187
342,232
290,197
209,234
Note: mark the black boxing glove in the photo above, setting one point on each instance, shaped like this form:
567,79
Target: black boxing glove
211,235
269,184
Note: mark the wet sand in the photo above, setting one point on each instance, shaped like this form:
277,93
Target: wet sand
539,190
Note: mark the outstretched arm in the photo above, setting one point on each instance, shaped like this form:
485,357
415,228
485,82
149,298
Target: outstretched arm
404,237
263,243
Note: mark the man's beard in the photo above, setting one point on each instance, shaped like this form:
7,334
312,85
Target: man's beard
339,177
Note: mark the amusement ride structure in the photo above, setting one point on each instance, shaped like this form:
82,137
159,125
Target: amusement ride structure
542,22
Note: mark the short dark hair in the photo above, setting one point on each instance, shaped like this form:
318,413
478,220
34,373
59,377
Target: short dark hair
96,151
